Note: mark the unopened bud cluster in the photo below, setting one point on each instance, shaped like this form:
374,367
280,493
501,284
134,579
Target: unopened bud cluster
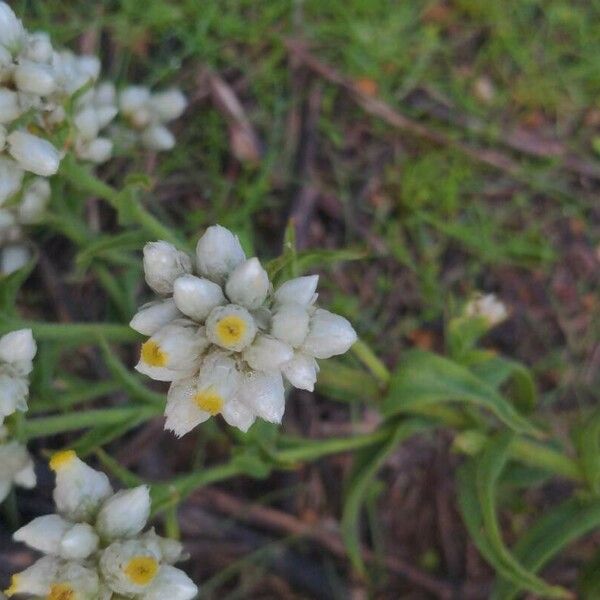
17,350
225,338
51,103
95,546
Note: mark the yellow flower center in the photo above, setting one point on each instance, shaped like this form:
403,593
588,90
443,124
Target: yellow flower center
209,400
152,354
230,330
14,586
62,459
61,591
141,570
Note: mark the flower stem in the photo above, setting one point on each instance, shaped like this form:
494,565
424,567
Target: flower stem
362,351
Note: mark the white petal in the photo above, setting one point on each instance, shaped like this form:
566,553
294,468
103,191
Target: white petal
218,252
290,323
158,137
231,327
163,264
248,284
300,290
79,490
125,514
36,579
267,353
182,412
17,345
44,533
26,476
13,394
33,153
329,334
170,550
196,297
171,583
301,371
169,104
263,394
79,542
238,415
151,317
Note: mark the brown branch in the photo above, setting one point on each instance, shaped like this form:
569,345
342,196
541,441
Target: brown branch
279,521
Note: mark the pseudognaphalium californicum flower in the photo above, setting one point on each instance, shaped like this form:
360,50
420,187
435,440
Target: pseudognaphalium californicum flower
17,350
95,546
488,307
225,339
51,103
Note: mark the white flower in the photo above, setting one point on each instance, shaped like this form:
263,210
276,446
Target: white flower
80,490
163,264
17,350
240,336
488,306
33,153
16,465
173,351
231,327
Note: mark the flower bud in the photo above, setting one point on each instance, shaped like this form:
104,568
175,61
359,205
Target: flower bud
86,121
290,323
36,579
248,284
267,353
44,533
163,264
218,252
33,153
168,105
171,583
329,334
151,317
10,108
13,258
196,297
263,393
79,542
301,371
35,199
97,151
158,137
300,290
17,346
11,179
124,514
39,47
34,78
12,32
133,98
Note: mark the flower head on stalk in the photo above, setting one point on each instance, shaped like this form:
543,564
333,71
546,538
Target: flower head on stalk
95,545
225,338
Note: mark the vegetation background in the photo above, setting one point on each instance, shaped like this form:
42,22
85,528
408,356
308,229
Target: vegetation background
442,147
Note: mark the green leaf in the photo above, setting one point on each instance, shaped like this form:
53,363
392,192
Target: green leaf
424,379
588,446
558,528
367,464
341,382
478,482
10,286
101,246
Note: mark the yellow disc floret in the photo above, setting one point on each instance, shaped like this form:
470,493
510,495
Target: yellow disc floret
153,355
230,330
14,586
62,459
141,570
209,400
61,591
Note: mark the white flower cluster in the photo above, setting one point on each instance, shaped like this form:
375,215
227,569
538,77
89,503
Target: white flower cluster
51,98
224,338
17,350
95,547
488,307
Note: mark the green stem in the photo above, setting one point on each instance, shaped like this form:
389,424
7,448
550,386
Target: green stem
362,351
82,179
44,426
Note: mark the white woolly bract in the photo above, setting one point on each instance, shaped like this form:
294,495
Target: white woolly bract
218,253
124,514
